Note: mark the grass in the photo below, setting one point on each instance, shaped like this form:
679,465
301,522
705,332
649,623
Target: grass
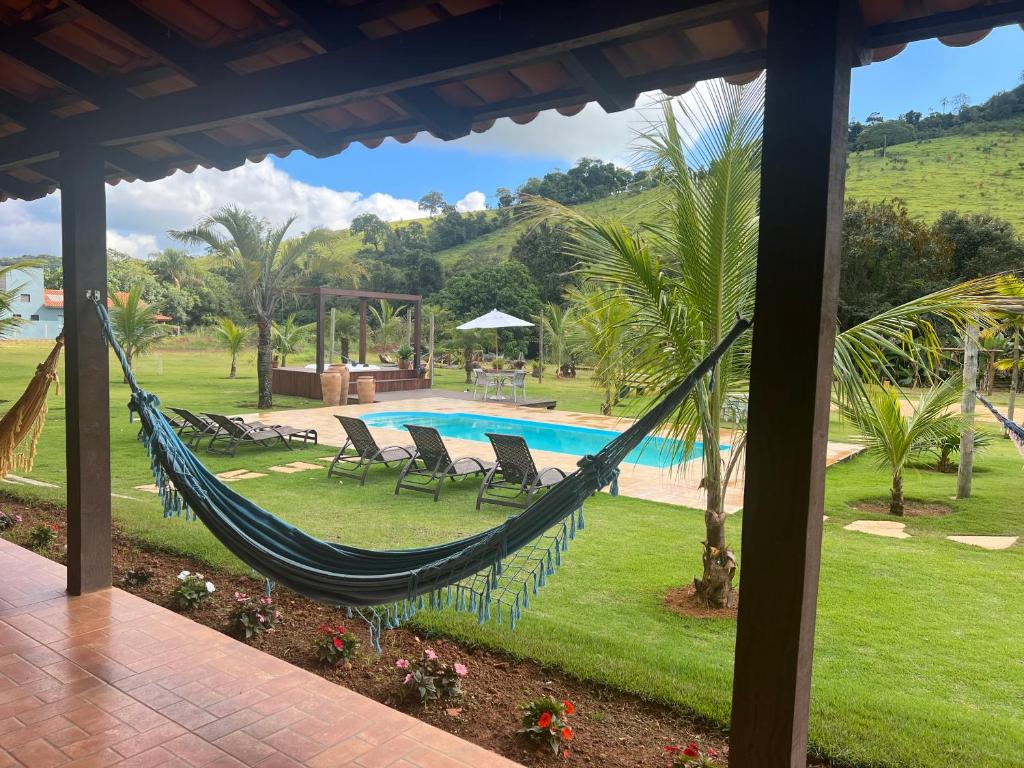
919,657
977,174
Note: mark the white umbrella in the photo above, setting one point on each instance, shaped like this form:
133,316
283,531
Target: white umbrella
495,319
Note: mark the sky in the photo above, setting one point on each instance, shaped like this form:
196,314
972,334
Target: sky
389,180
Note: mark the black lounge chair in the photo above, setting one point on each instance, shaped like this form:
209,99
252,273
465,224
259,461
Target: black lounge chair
367,452
432,464
515,475
235,432
193,427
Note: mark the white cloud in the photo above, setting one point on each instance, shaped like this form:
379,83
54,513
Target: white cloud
474,201
139,214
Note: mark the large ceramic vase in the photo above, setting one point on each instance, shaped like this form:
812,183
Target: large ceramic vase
330,387
366,387
346,378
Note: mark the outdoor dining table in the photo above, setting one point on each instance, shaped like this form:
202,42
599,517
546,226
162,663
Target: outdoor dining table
503,377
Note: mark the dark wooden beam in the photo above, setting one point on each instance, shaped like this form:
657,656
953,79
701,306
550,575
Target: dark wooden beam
734,64
24,190
434,113
45,23
492,38
320,337
305,135
86,378
973,19
592,70
362,332
810,55
417,335
210,151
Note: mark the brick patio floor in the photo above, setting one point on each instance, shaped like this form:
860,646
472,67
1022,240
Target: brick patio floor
110,679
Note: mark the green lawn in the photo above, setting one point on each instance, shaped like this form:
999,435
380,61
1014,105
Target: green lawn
920,649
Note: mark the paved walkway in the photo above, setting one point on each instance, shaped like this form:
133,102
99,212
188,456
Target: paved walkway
111,679
679,485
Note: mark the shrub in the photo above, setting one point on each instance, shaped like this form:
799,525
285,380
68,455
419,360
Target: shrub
693,754
404,353
41,537
8,520
254,615
334,645
192,592
136,577
430,679
547,721
947,446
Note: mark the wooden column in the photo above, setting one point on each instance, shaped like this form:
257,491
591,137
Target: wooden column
965,470
810,52
86,379
320,332
362,332
417,333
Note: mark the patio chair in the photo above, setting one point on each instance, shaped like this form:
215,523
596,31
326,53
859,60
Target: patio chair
235,432
432,464
193,427
177,424
367,452
518,382
514,479
485,381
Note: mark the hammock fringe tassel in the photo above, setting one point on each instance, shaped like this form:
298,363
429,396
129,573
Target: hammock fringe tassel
22,425
491,575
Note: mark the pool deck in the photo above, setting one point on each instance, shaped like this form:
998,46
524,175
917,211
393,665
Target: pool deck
678,485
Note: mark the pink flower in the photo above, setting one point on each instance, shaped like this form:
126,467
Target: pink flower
408,679
240,596
460,669
266,600
402,663
430,654
262,618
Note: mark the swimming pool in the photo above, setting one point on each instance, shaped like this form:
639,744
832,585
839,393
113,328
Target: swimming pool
541,436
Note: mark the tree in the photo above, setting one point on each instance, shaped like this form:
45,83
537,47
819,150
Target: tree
1011,322
374,230
134,323
289,337
174,266
911,116
600,329
471,341
981,244
387,322
9,293
266,266
234,337
559,328
887,133
507,287
346,328
894,438
541,249
505,197
432,202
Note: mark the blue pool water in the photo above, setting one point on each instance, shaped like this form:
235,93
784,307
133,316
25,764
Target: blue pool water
540,436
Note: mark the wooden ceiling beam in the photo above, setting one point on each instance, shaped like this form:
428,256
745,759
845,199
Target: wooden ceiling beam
12,186
971,19
209,151
592,70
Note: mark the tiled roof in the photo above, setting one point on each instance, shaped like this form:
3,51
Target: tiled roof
174,84
54,298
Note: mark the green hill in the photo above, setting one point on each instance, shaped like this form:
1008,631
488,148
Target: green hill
982,173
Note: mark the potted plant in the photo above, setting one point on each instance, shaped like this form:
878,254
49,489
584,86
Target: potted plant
404,354
498,363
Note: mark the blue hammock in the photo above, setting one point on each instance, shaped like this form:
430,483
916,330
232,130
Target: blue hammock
492,573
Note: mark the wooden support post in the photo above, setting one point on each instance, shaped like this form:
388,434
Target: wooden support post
362,332
86,379
965,472
430,372
320,333
417,333
810,53
540,352
334,324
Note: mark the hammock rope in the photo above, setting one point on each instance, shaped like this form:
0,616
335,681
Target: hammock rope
22,425
492,574
1015,430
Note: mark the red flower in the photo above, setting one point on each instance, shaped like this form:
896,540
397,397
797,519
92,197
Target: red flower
545,720
337,643
567,733
341,630
324,628
672,749
569,707
692,750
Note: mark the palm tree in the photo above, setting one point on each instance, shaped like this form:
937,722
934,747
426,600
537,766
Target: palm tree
388,321
9,294
558,328
289,337
175,266
470,342
234,337
602,322
134,323
894,438
688,276
346,328
267,265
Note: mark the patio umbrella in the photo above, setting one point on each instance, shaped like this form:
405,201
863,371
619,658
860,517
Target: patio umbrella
495,319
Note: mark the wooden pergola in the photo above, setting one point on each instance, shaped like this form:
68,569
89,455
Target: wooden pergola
104,91
319,294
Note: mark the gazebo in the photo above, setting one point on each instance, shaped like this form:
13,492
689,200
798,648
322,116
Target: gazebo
110,91
304,382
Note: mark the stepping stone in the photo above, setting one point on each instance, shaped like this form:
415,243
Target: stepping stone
122,496
151,488
30,481
244,476
887,528
231,473
295,466
304,465
326,458
986,542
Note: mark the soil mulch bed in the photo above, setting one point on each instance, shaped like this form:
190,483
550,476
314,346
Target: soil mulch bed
910,509
612,728
684,602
